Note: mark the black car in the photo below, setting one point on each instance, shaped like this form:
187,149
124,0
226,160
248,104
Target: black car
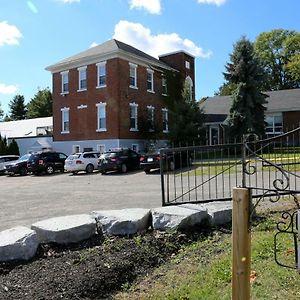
120,160
18,166
47,162
171,160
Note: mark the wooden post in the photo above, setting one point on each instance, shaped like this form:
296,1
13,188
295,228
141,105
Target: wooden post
241,244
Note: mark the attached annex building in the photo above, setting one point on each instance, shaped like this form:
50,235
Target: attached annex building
100,95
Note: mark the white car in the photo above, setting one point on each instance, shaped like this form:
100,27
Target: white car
83,161
5,160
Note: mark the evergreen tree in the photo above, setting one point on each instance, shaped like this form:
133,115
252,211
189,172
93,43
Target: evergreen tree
17,108
3,146
1,113
247,110
13,148
40,105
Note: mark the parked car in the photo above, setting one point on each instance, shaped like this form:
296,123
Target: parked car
18,166
5,160
171,160
120,160
47,162
83,161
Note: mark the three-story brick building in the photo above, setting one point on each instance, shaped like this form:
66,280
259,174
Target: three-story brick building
100,96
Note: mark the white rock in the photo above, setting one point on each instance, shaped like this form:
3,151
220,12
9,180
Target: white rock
219,212
123,221
18,243
182,216
65,230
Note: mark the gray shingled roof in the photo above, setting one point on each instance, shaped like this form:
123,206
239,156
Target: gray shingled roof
278,101
109,47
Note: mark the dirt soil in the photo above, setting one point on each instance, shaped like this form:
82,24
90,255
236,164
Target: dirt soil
94,269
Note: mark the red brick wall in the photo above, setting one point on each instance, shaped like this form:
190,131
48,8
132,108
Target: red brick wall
117,94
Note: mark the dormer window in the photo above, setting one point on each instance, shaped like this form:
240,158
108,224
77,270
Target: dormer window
65,82
82,79
150,81
132,75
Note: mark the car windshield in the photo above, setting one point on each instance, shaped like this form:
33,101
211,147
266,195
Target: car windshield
24,157
73,156
153,152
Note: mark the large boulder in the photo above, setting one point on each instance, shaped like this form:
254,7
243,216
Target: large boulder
18,243
178,217
65,230
219,212
123,221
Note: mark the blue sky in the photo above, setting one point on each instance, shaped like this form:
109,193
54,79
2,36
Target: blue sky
38,33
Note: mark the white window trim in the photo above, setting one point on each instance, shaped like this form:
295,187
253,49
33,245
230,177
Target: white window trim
101,104
162,81
149,71
62,82
167,111
187,64
62,120
152,108
131,65
274,132
133,104
79,79
100,64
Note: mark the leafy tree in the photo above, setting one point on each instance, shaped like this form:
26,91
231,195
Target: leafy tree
1,113
40,105
13,148
247,110
226,89
17,108
279,51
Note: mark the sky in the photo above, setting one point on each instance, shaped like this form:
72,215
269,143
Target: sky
37,33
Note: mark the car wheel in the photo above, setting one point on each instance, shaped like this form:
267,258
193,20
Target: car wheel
89,168
147,171
123,168
103,172
23,171
74,173
49,170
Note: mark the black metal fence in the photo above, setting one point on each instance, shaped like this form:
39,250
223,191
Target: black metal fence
270,167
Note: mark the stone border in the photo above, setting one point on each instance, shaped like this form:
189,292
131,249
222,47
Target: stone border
21,243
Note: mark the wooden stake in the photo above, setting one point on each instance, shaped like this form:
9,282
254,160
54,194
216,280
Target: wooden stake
241,244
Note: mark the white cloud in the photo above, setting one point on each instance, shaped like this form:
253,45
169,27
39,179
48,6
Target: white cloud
9,34
215,2
138,36
93,44
7,89
152,6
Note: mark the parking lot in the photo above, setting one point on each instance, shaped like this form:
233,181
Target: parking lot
27,199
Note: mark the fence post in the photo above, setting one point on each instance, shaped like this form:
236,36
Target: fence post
241,244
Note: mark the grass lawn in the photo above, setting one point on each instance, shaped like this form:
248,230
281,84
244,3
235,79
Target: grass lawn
202,270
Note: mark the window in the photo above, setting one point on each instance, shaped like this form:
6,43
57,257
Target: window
65,82
187,64
101,74
82,79
133,117
274,124
165,120
101,116
164,86
76,148
150,117
150,87
189,86
65,124
132,75
101,148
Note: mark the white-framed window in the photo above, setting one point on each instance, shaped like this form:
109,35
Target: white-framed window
65,120
135,147
164,86
165,120
133,75
75,148
64,82
187,64
133,116
150,80
274,124
150,117
101,116
82,84
101,148
101,74
189,85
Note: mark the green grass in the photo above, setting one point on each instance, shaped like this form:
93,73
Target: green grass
203,270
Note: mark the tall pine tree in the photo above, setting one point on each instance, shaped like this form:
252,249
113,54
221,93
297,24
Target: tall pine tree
17,108
247,110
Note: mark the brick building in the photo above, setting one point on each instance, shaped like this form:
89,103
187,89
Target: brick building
101,95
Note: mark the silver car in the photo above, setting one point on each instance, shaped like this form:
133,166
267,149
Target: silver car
83,161
5,160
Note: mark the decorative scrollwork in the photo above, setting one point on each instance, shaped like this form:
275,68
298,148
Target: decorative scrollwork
290,224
